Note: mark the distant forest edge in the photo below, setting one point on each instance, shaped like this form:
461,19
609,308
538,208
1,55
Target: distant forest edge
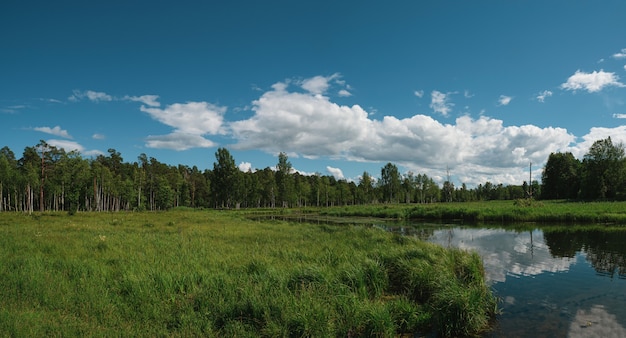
47,178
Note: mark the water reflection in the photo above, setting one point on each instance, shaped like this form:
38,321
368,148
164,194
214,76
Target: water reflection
506,254
605,249
554,281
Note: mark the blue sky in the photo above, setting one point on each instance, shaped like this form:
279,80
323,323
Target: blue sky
482,88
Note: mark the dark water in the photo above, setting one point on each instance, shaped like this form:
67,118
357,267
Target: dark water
553,282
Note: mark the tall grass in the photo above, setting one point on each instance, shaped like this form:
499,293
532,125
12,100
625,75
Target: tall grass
493,211
199,273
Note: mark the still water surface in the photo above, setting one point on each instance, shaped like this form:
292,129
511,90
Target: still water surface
553,282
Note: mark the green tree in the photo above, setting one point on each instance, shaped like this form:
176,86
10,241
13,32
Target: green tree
303,189
223,178
560,177
408,187
30,168
365,188
8,178
390,182
75,180
603,170
284,180
267,184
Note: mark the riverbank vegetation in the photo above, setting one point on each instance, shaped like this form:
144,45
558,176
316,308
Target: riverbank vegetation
523,210
47,178
216,273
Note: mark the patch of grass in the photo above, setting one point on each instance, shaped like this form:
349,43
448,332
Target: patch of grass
211,273
522,210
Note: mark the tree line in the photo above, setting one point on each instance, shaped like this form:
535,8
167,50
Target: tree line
601,175
47,178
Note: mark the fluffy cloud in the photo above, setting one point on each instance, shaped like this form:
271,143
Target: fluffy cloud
543,95
197,118
69,146
178,141
620,55
303,123
56,131
591,82
190,121
419,93
148,100
66,145
440,103
90,95
477,150
504,100
344,93
336,172
318,84
245,166
617,134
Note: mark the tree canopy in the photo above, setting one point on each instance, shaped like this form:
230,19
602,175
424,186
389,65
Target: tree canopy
48,178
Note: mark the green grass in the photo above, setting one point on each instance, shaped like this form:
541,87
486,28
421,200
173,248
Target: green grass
211,273
493,211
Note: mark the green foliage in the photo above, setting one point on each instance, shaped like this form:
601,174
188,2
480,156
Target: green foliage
521,210
560,177
49,179
390,182
603,171
224,178
194,273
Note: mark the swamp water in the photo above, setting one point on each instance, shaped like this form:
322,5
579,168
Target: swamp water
553,282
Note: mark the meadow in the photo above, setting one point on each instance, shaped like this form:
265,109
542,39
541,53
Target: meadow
523,210
217,273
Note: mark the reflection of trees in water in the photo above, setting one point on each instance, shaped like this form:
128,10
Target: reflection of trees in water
605,249
607,263
420,233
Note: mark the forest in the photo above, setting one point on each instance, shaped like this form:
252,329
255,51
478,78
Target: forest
47,178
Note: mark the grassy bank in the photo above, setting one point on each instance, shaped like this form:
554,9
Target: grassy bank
493,211
199,273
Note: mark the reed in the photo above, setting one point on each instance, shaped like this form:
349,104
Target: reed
216,273
493,211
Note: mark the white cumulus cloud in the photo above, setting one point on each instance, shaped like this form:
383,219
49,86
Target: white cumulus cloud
245,166
504,100
148,100
344,93
477,150
318,84
69,146
190,121
56,131
440,102
617,134
620,55
300,122
591,82
336,172
178,141
541,97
